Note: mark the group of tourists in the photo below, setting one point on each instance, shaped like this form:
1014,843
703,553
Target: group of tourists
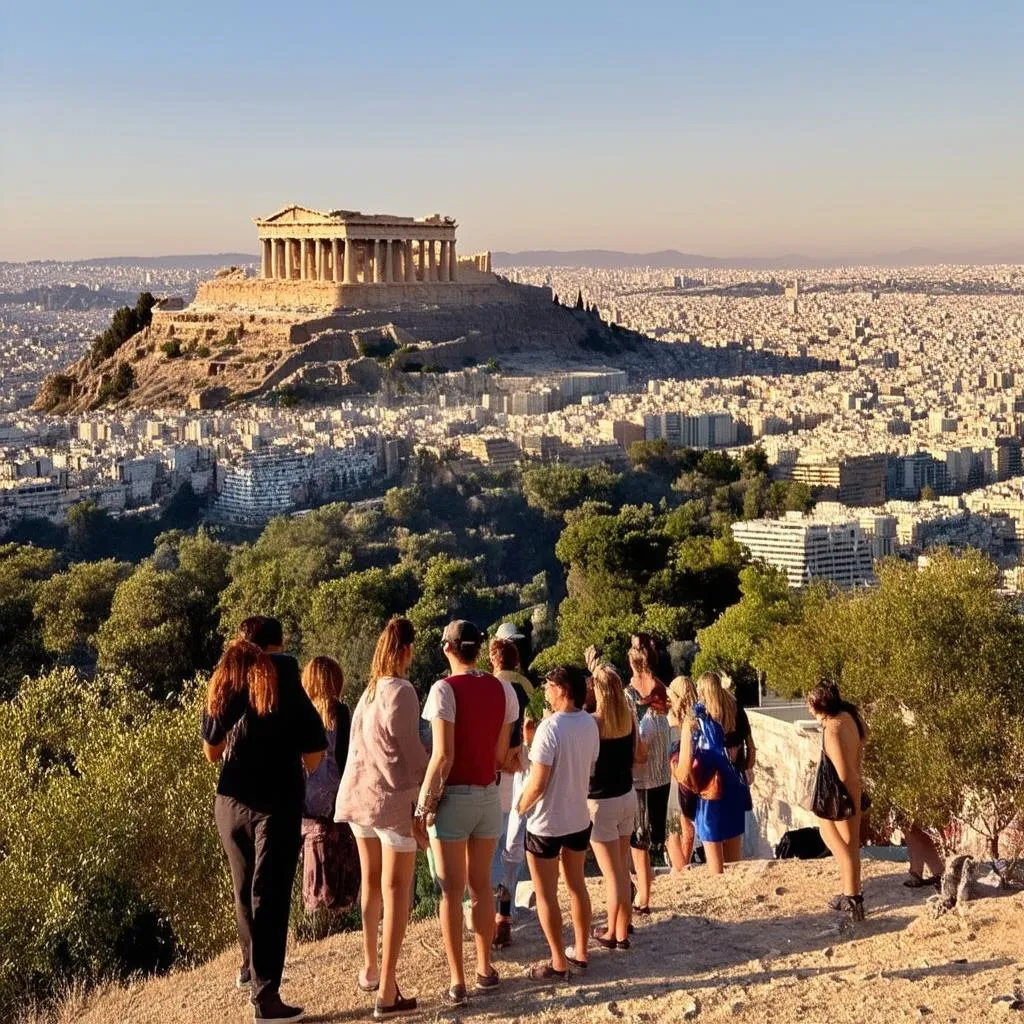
486,786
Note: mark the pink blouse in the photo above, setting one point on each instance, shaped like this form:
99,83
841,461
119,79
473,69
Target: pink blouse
386,759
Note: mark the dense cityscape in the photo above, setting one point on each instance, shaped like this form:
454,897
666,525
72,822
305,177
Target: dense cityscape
893,395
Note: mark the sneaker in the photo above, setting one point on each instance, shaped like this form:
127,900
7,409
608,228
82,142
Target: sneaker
454,995
244,979
272,1009
487,982
502,934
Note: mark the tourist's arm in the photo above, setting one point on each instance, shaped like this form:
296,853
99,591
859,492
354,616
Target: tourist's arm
681,770
440,764
214,751
536,783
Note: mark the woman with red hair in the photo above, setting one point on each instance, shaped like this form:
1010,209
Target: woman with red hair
260,724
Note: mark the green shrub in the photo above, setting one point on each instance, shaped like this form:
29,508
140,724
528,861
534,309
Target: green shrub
171,349
111,863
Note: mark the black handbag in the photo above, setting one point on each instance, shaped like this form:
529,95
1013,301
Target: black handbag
832,800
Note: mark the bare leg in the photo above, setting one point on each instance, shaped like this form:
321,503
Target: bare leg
450,860
687,836
544,872
715,854
732,850
396,875
579,900
627,902
479,856
848,874
849,866
924,853
616,882
370,898
642,863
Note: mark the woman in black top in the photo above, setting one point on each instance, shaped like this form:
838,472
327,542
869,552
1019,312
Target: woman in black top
612,802
260,722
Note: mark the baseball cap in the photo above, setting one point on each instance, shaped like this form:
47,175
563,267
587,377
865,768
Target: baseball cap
508,631
462,632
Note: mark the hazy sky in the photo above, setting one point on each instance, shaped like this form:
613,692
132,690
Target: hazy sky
721,127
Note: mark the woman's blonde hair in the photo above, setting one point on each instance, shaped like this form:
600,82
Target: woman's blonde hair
392,649
717,701
323,680
682,695
611,704
242,665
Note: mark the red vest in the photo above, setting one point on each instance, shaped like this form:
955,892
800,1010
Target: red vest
479,717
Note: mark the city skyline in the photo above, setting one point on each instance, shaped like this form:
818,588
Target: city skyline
835,133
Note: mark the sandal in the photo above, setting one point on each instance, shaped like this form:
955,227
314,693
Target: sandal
915,881
545,972
399,1006
454,995
642,911
605,943
622,943
570,956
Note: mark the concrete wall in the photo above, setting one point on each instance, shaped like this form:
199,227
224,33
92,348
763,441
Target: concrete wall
787,760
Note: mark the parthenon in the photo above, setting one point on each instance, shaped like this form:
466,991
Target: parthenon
348,247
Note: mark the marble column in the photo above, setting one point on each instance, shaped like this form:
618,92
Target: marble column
321,259
264,257
289,259
431,262
349,275
335,254
422,259
395,247
378,275
453,262
445,269
385,261
410,267
273,256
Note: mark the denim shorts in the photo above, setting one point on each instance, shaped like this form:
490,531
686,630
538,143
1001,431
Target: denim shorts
468,812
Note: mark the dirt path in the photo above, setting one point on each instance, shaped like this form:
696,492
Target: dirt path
754,946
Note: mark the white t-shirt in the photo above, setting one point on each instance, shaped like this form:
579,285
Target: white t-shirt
440,702
568,742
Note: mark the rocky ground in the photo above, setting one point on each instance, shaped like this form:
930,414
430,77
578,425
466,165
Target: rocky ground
753,947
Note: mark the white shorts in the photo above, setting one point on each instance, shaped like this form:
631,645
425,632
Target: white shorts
613,817
387,837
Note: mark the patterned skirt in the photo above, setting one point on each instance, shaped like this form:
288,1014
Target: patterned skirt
330,865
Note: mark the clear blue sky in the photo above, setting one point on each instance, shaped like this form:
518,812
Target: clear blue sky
725,128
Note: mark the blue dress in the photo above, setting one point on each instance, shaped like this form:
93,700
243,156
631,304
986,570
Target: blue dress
719,820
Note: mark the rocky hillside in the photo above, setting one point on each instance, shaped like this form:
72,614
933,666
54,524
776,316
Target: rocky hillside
207,357
753,947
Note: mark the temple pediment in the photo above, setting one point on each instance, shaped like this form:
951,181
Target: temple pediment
304,215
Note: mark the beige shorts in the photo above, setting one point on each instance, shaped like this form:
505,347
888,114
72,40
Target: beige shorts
613,817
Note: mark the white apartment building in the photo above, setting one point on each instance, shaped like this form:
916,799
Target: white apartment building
808,549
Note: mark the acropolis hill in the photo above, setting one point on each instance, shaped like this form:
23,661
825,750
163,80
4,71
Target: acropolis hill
342,302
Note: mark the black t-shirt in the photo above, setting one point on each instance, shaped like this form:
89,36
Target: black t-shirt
738,738
262,766
516,739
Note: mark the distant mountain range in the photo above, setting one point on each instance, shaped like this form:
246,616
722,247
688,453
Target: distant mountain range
208,261
672,259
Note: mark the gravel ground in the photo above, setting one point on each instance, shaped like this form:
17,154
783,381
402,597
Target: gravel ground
756,946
